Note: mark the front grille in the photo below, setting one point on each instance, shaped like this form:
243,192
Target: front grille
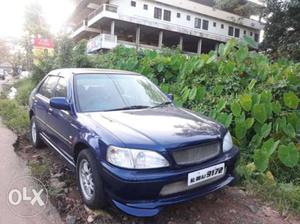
197,154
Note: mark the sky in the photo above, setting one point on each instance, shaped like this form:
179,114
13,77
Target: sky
55,12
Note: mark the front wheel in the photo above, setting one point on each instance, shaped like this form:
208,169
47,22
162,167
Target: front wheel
89,180
35,137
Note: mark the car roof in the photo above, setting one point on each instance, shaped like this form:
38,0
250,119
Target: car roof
74,71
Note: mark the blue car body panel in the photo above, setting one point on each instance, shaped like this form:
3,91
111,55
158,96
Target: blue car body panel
162,129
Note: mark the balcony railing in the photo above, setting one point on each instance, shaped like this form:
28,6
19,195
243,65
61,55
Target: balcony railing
79,25
104,7
102,41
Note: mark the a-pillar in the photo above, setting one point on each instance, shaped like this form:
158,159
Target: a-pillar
160,39
199,48
138,37
112,27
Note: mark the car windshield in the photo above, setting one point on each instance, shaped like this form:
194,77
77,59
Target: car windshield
107,92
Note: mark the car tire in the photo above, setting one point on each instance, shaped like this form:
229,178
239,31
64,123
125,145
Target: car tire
89,180
35,137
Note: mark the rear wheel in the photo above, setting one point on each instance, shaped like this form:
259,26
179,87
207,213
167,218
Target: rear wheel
35,137
89,180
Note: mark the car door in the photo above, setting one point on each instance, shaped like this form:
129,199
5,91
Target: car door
62,122
41,102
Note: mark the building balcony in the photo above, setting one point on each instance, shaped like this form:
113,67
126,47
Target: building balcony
90,24
102,41
105,10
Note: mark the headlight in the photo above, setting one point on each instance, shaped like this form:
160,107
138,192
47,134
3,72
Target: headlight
227,142
135,158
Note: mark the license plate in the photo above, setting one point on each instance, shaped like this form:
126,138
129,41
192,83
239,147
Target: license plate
206,174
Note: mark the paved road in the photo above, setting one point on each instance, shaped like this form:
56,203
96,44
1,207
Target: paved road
11,169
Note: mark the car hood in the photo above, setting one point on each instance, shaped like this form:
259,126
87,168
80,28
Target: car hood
168,127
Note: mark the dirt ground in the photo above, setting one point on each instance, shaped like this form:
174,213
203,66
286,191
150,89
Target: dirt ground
231,205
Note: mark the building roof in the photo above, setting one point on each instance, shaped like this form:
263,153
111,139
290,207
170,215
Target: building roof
196,6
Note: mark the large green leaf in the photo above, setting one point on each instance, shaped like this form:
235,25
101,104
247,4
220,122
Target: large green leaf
193,93
236,109
249,122
261,160
270,146
266,97
291,100
225,119
241,130
246,102
259,113
242,53
276,106
201,91
289,130
265,130
221,105
289,155
249,41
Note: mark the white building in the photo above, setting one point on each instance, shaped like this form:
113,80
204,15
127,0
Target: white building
192,26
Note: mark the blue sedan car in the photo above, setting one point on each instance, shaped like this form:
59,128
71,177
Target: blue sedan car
129,144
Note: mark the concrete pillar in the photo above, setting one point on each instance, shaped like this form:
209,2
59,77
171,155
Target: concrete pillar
112,28
181,43
217,46
199,48
160,39
138,37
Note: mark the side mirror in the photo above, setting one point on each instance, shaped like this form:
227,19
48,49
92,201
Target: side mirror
170,96
60,103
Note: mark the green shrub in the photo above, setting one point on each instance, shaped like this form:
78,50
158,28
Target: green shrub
14,115
24,88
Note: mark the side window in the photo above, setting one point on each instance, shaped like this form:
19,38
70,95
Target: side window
157,13
205,24
197,23
48,87
237,32
61,88
230,31
167,15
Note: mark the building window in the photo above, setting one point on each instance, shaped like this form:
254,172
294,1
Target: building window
256,37
133,3
237,32
222,26
145,7
245,32
198,23
157,13
205,24
167,15
230,31
251,34
188,17
215,24
178,15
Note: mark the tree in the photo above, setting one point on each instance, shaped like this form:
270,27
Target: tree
282,31
4,51
34,25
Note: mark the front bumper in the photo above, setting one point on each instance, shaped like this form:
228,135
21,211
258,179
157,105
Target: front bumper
138,192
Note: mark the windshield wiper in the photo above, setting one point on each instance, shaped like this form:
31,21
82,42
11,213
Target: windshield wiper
130,108
162,104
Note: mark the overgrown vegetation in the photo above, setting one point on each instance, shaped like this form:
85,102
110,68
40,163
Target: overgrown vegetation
255,98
